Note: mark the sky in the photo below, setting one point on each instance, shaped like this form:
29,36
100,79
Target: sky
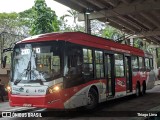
21,5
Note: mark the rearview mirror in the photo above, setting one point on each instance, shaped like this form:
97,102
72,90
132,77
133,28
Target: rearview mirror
3,61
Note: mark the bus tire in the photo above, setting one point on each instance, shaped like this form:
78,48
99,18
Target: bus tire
138,90
143,92
92,99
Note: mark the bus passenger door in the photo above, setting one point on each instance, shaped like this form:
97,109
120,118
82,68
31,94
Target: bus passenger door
128,70
110,75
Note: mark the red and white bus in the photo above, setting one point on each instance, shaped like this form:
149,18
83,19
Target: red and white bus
73,69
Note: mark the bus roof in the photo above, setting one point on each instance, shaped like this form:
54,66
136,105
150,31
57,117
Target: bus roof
86,40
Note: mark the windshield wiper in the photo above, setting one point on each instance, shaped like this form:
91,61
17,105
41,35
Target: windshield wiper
16,82
28,70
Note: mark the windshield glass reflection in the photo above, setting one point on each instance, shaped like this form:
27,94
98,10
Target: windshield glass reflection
36,62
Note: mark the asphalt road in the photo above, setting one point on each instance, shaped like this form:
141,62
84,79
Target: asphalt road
125,108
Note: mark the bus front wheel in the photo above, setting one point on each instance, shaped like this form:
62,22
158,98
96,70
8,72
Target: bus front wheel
92,99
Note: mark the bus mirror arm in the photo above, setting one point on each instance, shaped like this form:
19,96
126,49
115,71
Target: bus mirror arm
4,57
3,61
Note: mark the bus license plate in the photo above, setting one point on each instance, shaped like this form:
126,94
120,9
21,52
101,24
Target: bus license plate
27,105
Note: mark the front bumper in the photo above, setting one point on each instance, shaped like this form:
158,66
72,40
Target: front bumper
46,101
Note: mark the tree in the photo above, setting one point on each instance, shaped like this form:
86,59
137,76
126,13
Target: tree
11,25
112,33
11,30
73,14
76,26
63,24
27,17
97,27
9,22
45,19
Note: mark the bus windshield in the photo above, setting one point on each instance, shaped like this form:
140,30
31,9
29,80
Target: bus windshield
36,62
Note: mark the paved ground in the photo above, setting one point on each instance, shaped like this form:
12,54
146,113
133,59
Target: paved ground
120,107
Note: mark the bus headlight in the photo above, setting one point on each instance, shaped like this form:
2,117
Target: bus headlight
55,88
8,88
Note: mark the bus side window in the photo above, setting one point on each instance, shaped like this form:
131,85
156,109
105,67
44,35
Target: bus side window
147,64
99,64
135,63
87,64
119,65
141,64
73,66
151,63
75,61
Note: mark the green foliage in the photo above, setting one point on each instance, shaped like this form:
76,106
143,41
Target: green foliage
6,16
27,17
12,23
45,20
137,42
75,26
74,14
27,13
8,21
111,33
97,27
11,29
